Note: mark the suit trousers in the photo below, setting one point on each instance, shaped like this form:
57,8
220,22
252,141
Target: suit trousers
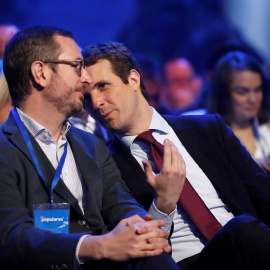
160,262
243,243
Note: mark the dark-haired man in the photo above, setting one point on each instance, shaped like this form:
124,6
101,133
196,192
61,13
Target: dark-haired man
57,179
234,193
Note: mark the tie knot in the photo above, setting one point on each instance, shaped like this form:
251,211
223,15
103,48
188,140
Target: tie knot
146,136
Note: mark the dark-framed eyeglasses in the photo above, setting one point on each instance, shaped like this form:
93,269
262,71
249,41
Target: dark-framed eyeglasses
76,63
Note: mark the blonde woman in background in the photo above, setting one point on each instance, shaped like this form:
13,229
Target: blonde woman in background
5,101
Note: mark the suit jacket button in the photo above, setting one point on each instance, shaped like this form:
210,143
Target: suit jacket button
82,222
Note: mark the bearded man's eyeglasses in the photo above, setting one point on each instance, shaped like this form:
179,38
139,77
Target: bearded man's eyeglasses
78,64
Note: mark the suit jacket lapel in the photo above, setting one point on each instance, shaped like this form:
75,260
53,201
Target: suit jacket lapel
48,173
15,137
132,173
85,160
10,127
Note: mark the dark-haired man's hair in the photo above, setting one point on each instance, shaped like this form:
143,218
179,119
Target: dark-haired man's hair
25,47
118,55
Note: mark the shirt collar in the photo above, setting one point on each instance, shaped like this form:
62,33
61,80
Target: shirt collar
37,130
158,123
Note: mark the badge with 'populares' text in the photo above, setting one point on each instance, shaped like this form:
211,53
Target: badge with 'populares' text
52,217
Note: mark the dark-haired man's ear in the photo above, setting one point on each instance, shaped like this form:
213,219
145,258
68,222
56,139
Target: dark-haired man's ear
39,73
134,79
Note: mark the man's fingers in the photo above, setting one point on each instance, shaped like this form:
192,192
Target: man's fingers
151,231
149,226
131,220
172,159
149,173
166,155
181,164
148,217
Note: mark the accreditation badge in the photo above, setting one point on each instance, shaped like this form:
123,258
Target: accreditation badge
52,217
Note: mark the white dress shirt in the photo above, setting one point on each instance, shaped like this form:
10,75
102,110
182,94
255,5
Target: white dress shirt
262,142
186,239
70,173
89,125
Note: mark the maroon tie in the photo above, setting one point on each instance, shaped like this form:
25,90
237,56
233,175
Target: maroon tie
191,202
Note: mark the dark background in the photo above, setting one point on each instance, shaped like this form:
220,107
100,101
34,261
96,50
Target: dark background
194,29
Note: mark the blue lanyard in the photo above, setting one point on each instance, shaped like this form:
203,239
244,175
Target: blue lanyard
27,140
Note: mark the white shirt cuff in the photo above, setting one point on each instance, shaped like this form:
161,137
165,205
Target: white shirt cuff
78,248
158,215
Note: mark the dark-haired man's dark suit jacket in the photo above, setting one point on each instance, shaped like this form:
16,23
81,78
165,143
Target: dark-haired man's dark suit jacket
239,181
107,200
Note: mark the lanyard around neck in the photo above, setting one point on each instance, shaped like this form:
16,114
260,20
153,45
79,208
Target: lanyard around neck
27,140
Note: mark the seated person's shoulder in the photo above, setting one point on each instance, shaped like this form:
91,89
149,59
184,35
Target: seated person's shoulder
195,121
84,137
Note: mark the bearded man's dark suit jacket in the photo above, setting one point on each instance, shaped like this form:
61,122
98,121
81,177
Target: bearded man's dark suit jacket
107,200
239,181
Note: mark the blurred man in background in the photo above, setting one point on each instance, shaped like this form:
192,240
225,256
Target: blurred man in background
182,86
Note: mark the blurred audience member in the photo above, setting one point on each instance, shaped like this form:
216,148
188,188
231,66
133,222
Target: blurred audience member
151,73
268,91
5,101
6,32
237,93
182,85
84,121
200,104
